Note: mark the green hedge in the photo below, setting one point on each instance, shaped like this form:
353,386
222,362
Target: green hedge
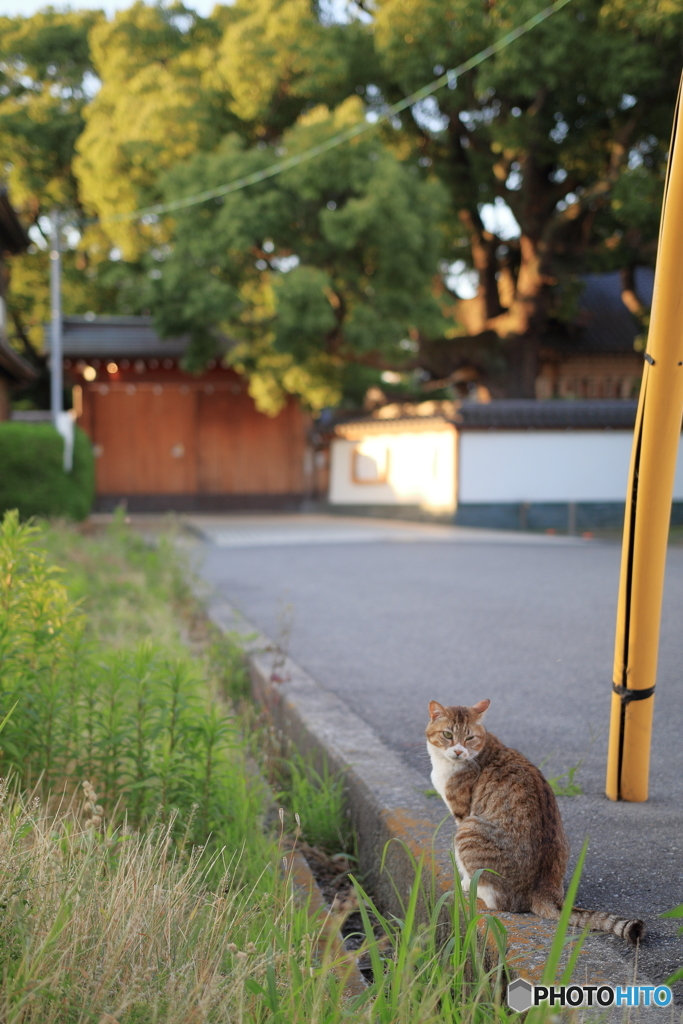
32,479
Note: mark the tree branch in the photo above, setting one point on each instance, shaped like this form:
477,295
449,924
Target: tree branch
29,348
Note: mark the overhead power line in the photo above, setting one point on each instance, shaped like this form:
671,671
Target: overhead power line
448,78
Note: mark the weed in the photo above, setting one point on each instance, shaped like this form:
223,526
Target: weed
229,667
284,634
568,788
441,960
676,912
318,799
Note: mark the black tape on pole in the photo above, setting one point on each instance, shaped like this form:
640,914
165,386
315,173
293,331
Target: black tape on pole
628,695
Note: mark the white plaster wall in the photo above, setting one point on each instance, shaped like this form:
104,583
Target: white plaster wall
420,470
552,465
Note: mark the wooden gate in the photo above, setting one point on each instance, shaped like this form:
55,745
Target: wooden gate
192,438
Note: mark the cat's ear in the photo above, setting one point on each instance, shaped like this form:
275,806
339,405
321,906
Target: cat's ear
435,710
481,708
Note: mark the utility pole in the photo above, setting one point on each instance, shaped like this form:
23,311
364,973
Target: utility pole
648,504
63,422
56,381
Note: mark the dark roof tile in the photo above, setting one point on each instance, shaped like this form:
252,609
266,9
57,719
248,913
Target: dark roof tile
102,336
531,414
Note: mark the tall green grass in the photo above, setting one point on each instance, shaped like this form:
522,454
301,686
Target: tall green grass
317,799
138,722
130,587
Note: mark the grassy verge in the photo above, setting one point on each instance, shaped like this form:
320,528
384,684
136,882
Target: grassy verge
136,881
122,929
103,691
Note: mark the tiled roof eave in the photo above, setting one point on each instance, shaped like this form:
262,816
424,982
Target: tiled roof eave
115,337
553,414
404,425
506,415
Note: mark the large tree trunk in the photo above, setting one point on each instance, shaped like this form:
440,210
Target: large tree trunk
522,365
507,319
512,307
522,325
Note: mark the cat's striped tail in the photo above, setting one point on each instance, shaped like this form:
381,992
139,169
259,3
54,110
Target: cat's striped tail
633,931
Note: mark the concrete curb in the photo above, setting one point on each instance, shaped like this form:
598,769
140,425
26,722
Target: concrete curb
388,805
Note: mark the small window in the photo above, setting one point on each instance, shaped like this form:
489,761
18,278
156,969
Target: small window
370,467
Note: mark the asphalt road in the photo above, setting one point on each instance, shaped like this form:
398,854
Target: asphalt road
390,616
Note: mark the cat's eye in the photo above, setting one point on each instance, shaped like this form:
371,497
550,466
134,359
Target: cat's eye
468,738
447,735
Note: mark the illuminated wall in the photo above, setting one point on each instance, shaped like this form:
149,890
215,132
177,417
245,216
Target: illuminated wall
395,468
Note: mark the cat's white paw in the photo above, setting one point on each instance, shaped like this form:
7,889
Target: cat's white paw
488,894
465,877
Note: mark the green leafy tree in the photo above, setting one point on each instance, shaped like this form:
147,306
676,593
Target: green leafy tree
280,57
44,64
568,128
225,92
46,82
162,99
175,84
328,264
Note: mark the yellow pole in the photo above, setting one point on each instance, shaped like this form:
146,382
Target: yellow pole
648,502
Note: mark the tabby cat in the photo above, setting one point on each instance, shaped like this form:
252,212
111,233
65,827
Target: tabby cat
507,820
